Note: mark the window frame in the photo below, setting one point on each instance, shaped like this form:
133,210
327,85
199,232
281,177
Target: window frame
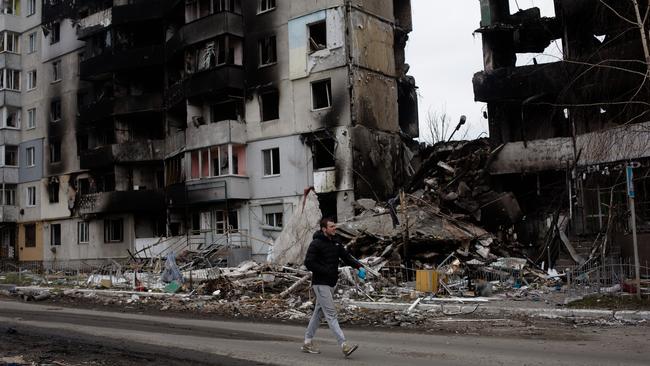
108,230
56,71
31,118
55,33
31,79
9,190
83,232
267,3
328,90
55,151
31,227
60,110
272,171
30,196
30,157
4,157
54,242
32,41
270,44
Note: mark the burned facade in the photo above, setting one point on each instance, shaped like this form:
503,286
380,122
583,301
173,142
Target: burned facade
203,120
566,130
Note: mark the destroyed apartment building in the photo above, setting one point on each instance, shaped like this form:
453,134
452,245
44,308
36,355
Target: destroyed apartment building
142,126
565,132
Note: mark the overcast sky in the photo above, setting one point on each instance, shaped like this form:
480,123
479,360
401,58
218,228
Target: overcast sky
444,55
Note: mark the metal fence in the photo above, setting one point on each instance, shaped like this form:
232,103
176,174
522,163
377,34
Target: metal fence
611,275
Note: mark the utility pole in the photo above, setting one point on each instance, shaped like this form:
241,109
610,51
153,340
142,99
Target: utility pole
630,193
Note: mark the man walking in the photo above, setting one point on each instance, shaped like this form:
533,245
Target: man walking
322,260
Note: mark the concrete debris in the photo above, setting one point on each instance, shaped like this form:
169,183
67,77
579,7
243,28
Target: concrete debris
291,245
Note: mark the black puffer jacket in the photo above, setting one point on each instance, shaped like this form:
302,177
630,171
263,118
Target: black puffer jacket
322,259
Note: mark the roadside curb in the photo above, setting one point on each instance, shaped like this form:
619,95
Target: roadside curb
481,308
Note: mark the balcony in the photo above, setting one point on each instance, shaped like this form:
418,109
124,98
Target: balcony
113,61
9,174
120,106
10,136
10,98
131,152
223,80
10,60
138,11
218,133
206,28
94,23
8,213
121,201
208,190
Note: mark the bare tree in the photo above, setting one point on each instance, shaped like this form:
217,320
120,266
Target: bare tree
440,127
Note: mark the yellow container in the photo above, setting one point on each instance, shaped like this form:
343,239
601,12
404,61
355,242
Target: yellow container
426,280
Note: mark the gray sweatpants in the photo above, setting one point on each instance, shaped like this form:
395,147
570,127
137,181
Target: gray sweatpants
324,306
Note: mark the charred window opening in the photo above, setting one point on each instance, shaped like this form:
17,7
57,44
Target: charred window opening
268,51
220,162
56,71
83,185
113,230
223,50
328,205
53,190
323,151
55,110
55,151
55,33
233,220
55,234
321,93
174,170
82,143
230,110
30,235
270,105
265,5
317,36
271,159
11,155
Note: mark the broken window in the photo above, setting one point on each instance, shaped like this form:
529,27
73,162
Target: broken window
273,215
11,155
317,36
219,221
321,94
271,158
56,70
55,234
30,235
194,169
207,57
267,51
219,156
13,118
230,110
55,151
83,185
55,110
323,150
55,34
53,190
113,230
233,220
270,105
174,170
266,5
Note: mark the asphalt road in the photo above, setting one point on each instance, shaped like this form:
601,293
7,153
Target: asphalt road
245,343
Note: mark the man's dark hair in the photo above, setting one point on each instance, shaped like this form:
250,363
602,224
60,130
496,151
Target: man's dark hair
324,221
